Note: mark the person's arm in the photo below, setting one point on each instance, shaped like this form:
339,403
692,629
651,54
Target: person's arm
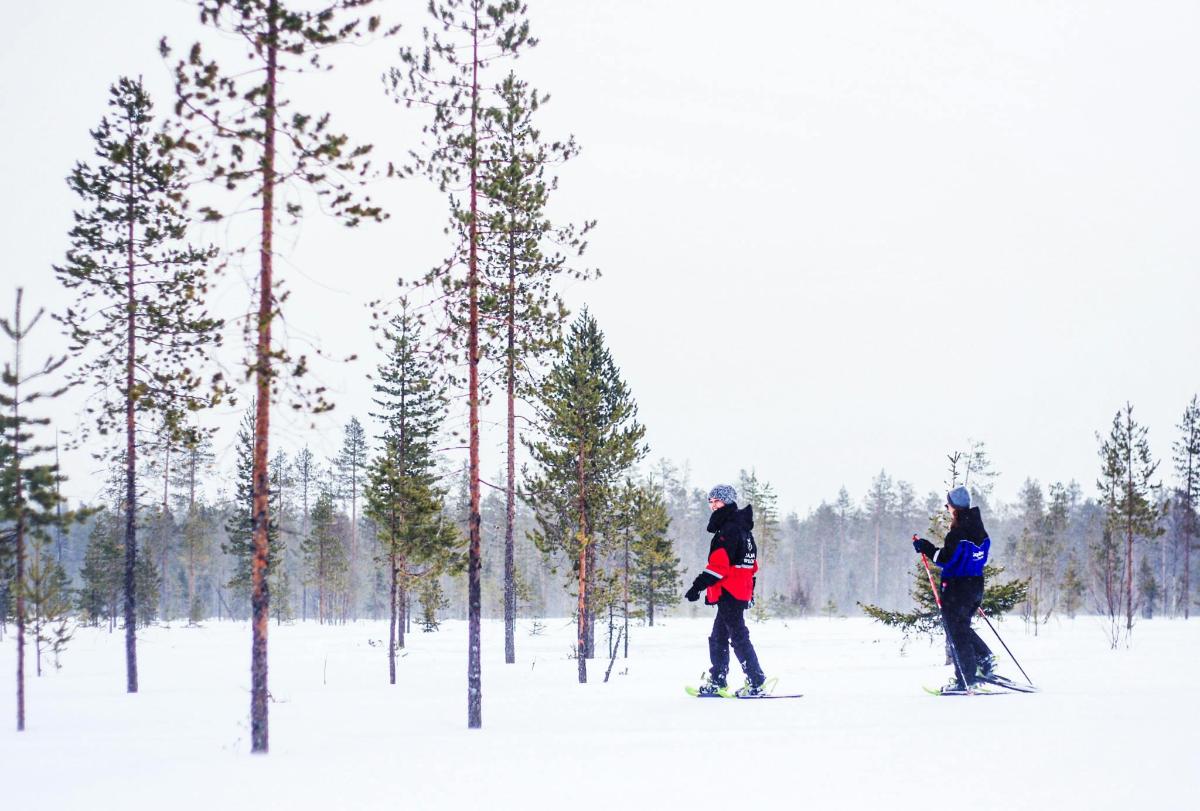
935,555
944,555
714,572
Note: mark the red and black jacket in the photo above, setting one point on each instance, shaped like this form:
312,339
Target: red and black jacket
732,556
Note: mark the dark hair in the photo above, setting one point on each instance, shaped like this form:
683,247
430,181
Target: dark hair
955,516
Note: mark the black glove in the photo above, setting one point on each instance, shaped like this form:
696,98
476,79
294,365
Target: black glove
923,546
692,595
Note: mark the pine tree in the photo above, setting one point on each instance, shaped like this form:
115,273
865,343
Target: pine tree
1126,485
1072,588
307,474
655,576
28,491
590,438
1187,468
139,315
879,505
325,561
237,126
350,465
49,593
444,75
197,555
522,253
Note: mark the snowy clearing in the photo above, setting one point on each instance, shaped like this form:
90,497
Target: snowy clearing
1112,729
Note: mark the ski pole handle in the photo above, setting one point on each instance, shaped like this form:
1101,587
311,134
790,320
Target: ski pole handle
937,597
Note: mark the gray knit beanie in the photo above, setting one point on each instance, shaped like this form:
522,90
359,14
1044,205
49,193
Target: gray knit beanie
959,498
723,492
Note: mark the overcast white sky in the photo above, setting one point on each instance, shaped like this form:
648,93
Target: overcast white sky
835,237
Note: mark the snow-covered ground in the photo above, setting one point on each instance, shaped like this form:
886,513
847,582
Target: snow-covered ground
1112,729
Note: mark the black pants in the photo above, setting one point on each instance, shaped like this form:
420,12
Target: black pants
961,598
729,628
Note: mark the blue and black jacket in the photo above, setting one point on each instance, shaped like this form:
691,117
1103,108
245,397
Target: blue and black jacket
965,550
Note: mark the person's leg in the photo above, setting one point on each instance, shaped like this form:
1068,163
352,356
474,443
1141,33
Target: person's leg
739,636
718,649
957,610
983,654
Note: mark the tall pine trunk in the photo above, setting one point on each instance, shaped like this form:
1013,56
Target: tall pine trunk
260,598
590,635
510,506
131,676
650,598
474,563
625,596
581,625
392,623
165,529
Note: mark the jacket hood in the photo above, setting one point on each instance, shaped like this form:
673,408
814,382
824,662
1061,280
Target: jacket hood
970,524
730,513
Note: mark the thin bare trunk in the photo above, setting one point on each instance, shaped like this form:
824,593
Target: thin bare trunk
19,583
1129,542
1188,529
260,599
353,579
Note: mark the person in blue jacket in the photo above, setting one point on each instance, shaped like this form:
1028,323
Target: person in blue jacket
962,558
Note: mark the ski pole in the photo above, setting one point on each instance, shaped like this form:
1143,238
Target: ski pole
949,640
1006,650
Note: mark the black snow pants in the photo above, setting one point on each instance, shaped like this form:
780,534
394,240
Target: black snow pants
729,628
961,598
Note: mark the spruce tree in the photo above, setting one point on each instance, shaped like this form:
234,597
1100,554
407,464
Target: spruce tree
1128,490
589,439
247,135
1187,467
447,74
28,491
139,316
403,499
102,571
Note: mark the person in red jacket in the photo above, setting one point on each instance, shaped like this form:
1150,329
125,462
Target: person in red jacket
728,583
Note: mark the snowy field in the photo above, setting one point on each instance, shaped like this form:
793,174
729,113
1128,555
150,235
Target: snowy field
1112,729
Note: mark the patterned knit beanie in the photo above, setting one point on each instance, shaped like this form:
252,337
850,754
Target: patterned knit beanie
723,492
